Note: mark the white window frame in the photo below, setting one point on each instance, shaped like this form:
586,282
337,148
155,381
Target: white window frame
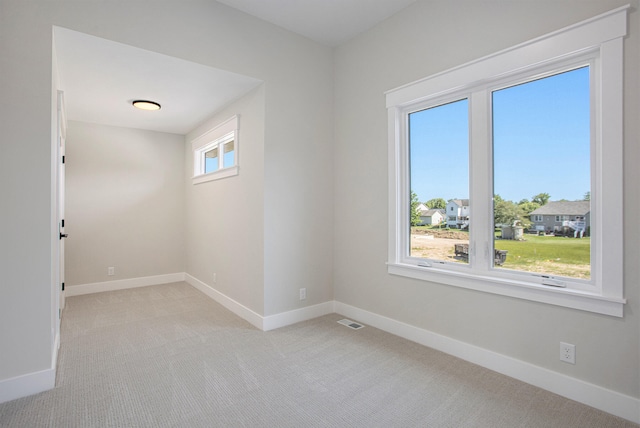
216,137
597,42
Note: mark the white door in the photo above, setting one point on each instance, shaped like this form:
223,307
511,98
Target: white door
60,197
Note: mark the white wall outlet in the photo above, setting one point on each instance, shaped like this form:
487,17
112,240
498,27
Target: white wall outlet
111,271
215,278
303,293
567,353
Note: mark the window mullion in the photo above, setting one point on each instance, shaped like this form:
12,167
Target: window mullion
480,187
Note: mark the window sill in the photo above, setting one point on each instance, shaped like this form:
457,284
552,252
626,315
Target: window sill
216,175
568,298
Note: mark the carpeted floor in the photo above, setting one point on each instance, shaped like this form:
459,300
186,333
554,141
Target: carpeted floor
168,356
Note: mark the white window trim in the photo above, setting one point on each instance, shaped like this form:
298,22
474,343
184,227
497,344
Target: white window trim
226,131
600,39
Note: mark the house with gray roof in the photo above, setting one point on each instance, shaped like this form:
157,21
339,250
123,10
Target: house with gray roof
432,216
562,216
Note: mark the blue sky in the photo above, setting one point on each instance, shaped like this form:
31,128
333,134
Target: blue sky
541,142
211,164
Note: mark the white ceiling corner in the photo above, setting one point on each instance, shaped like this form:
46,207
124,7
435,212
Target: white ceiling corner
329,22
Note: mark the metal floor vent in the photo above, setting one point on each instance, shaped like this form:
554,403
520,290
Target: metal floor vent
351,324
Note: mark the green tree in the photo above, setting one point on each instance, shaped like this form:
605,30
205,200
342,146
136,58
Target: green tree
415,215
527,207
437,203
508,212
541,198
587,196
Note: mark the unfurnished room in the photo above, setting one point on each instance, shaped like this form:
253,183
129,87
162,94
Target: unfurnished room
331,213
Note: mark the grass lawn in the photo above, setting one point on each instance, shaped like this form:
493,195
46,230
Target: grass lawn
550,254
567,250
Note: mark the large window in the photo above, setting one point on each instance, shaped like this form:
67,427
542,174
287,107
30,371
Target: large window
521,154
215,152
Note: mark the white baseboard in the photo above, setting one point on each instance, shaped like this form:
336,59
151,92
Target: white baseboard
237,308
122,284
592,395
283,319
267,323
29,384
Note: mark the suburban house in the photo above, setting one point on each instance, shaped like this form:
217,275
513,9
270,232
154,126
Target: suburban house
562,216
305,121
457,212
430,216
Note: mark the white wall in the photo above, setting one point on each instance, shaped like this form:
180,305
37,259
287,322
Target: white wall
25,186
224,221
426,38
124,203
297,222
298,182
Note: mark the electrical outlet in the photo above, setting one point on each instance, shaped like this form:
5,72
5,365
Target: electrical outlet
215,278
111,271
567,353
303,293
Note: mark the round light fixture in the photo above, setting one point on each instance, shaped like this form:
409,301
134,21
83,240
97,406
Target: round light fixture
146,105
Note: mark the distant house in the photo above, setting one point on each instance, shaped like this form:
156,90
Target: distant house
458,213
422,207
430,217
562,216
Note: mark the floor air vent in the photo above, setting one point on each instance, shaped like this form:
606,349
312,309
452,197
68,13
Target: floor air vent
350,324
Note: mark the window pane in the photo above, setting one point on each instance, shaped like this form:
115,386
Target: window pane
542,175
439,175
211,160
228,158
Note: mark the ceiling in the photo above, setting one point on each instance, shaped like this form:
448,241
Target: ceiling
329,22
100,78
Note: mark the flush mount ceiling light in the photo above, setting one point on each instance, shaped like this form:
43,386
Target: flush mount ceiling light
146,105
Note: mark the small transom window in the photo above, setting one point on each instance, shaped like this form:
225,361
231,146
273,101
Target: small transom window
216,152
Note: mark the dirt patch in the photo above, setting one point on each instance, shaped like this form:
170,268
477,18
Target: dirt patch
445,234
431,247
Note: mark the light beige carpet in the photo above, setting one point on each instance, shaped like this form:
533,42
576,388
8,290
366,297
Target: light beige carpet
168,356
